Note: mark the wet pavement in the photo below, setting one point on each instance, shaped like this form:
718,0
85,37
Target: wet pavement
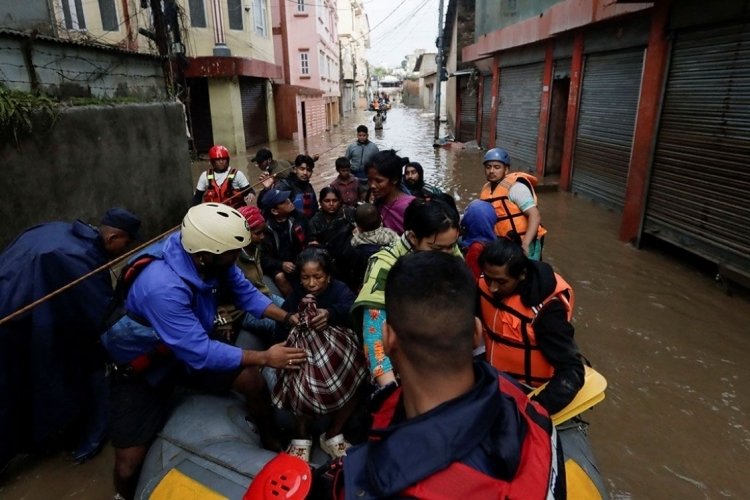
672,344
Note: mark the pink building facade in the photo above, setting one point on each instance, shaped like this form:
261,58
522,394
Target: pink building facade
307,47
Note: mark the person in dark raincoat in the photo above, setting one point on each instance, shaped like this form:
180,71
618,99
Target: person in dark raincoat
48,354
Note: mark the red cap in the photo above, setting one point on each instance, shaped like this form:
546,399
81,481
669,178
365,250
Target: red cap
253,216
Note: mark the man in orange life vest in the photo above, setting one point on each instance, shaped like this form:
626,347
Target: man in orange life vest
220,183
526,309
453,429
513,197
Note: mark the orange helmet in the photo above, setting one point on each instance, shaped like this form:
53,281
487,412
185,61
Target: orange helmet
218,152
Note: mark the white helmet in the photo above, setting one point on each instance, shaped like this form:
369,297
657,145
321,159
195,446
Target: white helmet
215,228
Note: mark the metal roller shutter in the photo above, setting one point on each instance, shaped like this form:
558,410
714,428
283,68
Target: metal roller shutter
518,113
700,180
608,105
469,98
486,110
254,114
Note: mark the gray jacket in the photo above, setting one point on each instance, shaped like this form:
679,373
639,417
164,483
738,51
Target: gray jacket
359,154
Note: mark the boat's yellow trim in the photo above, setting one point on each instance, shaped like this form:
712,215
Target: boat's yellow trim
177,486
590,394
579,485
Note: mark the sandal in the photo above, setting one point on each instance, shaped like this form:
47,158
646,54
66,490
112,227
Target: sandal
336,446
300,448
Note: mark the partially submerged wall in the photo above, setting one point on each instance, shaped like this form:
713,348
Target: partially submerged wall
95,157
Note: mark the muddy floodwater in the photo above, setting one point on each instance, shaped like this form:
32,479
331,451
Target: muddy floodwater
673,345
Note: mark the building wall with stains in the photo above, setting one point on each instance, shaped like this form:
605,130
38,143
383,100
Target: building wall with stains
70,69
95,157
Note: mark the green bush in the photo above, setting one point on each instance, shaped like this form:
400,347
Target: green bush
22,113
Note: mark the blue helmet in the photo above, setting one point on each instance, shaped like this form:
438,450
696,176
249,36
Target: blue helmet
497,154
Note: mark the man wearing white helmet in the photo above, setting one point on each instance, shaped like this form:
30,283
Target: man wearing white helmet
513,197
171,307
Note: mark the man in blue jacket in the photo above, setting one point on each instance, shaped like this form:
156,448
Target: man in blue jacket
171,310
49,355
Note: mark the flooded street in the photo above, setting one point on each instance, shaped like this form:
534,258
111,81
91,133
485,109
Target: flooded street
672,344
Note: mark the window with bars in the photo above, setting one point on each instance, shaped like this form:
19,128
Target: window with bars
197,13
73,15
234,10
304,63
300,5
108,12
260,15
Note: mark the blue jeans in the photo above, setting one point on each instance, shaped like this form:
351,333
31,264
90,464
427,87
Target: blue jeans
263,327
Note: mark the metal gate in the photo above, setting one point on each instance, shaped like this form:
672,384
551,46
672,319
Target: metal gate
518,113
486,110
608,105
254,113
698,195
468,130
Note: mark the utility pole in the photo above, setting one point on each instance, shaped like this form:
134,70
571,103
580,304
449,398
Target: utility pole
439,61
162,42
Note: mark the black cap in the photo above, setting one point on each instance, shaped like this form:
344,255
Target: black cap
262,155
120,218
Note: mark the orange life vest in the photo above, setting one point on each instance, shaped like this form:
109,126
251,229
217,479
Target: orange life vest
220,194
509,216
509,336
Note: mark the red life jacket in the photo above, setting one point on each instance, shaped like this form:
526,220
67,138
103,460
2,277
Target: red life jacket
537,471
223,193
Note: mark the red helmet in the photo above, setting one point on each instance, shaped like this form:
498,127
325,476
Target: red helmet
217,152
284,477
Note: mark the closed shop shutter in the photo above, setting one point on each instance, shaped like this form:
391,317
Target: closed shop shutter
486,110
699,191
608,105
469,99
518,113
200,115
254,113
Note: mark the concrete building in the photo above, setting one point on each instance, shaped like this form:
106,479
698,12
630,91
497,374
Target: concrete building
641,107
429,79
75,53
220,53
411,60
461,88
354,40
307,48
230,63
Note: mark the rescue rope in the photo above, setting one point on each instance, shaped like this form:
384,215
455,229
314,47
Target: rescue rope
112,263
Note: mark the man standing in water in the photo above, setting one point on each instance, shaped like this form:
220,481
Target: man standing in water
513,197
360,153
220,183
51,366
478,434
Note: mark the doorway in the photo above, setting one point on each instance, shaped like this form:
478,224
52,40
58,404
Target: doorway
304,120
557,117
